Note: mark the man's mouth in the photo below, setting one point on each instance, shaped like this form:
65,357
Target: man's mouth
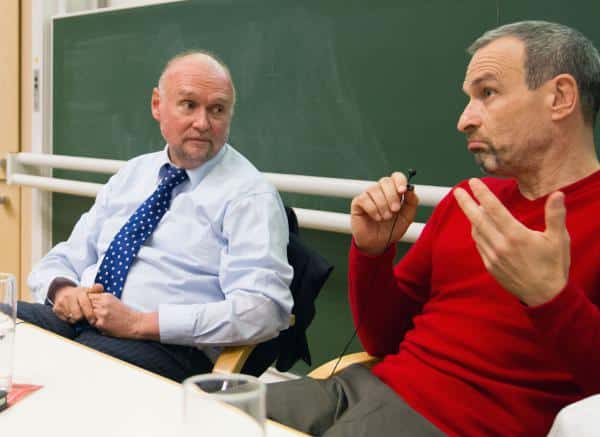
198,140
475,145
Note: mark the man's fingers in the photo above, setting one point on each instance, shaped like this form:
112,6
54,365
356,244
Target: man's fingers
62,315
400,181
86,308
65,308
380,201
94,299
492,206
486,229
96,288
556,214
467,204
393,199
409,207
387,195
483,247
101,299
76,314
363,205
70,314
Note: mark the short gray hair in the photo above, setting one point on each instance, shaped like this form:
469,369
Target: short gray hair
552,49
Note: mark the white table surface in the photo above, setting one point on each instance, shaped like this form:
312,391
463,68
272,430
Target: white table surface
88,393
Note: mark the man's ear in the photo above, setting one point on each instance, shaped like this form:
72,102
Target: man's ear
565,96
155,104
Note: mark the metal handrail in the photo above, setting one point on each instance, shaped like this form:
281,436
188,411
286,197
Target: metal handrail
23,169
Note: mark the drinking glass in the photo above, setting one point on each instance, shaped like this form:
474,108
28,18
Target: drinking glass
223,405
8,317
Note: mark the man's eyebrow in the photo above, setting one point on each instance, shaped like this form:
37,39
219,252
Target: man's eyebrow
221,99
486,76
191,94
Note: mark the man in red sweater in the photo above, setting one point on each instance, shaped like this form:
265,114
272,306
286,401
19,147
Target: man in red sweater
490,323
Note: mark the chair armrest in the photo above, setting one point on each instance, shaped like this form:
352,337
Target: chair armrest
579,419
233,358
324,371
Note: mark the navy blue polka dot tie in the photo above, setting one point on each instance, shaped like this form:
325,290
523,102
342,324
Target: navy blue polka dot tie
126,244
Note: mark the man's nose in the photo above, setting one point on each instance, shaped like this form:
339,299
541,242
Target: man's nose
470,118
201,120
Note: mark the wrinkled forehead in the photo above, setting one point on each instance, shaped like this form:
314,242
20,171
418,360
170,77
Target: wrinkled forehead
501,60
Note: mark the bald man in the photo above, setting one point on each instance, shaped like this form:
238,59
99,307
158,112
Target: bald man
183,251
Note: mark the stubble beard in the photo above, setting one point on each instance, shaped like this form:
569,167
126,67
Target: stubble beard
193,157
488,161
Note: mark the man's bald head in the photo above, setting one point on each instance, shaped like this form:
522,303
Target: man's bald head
204,60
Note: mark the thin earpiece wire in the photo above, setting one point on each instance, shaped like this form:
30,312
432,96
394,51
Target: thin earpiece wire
409,187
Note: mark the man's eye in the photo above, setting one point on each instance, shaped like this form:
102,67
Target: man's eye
217,109
488,92
188,104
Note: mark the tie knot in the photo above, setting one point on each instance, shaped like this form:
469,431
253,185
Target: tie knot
174,177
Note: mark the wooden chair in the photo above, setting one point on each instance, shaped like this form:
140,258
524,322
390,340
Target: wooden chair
233,358
324,371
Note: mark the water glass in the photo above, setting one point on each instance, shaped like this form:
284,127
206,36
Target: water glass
8,317
223,405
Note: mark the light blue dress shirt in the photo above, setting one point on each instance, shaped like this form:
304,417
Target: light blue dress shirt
216,266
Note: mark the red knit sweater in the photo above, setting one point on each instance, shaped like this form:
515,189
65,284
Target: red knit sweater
464,352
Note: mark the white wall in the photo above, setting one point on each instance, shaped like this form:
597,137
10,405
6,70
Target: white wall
68,6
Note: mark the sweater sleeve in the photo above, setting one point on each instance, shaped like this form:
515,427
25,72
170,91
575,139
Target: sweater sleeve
385,298
570,324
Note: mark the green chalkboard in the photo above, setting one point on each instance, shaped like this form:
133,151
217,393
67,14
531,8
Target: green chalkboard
340,88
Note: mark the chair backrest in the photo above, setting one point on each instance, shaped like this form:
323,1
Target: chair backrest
311,271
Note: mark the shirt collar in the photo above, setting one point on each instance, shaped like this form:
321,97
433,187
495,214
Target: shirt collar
195,175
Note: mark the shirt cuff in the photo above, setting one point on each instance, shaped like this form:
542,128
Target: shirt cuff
175,324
